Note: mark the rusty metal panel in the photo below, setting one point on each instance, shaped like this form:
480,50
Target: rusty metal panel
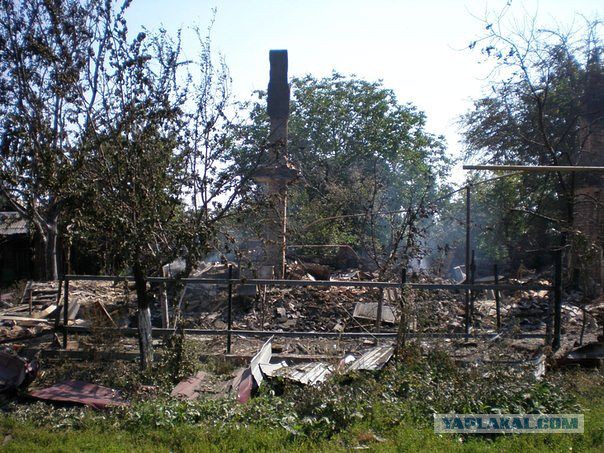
189,388
80,392
245,385
374,359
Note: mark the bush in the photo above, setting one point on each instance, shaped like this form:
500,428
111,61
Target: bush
410,389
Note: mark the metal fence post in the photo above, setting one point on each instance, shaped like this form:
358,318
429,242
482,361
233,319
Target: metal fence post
378,314
163,301
57,314
497,300
467,266
403,322
65,312
472,291
230,310
557,300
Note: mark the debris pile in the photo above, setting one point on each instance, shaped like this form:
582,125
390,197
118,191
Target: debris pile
40,308
287,309
310,308
34,313
438,310
528,309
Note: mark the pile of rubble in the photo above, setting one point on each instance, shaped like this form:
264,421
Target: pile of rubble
438,310
40,307
309,309
287,309
34,312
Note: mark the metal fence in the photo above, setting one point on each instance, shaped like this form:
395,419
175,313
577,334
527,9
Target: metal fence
469,288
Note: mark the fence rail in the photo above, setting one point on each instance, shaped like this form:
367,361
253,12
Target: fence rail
324,283
230,282
159,332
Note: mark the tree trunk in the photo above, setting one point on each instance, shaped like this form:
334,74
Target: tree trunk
52,267
144,318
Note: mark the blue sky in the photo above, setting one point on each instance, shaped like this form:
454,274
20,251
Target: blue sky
415,47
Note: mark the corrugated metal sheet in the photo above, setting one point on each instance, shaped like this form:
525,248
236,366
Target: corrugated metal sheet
263,356
11,223
245,382
374,359
307,373
271,369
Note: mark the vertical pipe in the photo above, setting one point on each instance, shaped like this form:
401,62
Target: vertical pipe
403,325
497,300
404,317
163,302
467,266
230,310
263,303
30,300
378,315
65,312
59,304
283,235
557,300
472,281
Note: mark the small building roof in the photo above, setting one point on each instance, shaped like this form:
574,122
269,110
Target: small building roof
11,223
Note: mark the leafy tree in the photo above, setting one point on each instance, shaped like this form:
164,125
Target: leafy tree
103,135
49,78
360,152
160,135
133,176
535,115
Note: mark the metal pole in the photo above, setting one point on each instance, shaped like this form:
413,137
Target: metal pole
472,280
65,312
467,267
422,335
403,322
163,302
497,300
57,315
378,315
557,300
536,168
230,310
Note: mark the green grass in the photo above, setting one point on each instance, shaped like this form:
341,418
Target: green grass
24,438
388,411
